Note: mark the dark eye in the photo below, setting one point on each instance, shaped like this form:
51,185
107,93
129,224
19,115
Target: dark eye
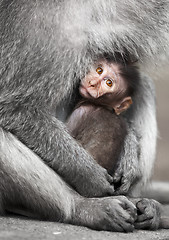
99,70
109,82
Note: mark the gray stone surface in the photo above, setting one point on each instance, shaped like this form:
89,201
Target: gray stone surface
24,229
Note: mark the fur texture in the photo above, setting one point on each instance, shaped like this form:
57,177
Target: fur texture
46,47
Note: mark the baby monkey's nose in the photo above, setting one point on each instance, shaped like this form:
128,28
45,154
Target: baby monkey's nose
94,83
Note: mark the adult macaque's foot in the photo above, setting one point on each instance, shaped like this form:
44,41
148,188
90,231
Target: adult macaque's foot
149,213
111,213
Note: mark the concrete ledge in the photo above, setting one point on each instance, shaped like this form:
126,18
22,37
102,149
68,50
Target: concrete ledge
158,191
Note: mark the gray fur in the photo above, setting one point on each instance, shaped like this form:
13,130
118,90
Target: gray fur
45,49
19,168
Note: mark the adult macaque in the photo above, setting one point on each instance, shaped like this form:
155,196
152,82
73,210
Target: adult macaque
107,87
45,47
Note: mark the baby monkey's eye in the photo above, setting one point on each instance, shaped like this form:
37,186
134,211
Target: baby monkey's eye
109,82
99,70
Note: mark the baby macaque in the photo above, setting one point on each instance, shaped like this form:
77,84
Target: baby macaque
106,91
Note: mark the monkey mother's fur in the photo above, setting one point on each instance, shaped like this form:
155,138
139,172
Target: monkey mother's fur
46,47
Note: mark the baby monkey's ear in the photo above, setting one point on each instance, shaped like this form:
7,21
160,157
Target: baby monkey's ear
123,106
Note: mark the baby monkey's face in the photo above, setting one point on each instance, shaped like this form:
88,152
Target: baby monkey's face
104,82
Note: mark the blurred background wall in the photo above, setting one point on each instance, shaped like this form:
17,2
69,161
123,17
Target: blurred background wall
161,77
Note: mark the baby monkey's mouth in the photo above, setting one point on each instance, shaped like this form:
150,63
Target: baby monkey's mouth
84,92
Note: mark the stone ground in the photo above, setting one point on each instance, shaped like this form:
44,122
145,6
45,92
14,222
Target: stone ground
13,228
24,229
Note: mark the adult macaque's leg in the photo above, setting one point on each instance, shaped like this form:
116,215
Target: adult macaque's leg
27,183
49,139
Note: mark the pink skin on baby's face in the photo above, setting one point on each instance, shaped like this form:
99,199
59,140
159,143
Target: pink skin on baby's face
104,79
